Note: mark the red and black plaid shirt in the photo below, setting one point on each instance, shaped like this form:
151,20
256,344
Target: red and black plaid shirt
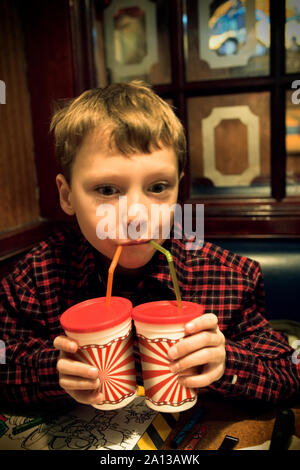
66,269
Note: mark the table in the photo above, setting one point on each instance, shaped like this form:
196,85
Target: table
86,429
251,422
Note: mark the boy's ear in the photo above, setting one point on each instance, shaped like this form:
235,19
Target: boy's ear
64,194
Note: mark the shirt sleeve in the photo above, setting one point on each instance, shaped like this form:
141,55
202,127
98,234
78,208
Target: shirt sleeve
260,364
28,372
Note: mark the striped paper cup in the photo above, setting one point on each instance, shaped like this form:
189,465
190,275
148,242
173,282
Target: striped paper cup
159,325
104,334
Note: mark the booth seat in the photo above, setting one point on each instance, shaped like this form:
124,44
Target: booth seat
280,262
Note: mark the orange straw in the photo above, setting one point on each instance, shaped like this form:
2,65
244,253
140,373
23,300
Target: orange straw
111,273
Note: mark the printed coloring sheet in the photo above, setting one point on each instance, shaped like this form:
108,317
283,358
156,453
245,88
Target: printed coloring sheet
83,428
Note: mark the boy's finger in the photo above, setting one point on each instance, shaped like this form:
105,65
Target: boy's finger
197,358
87,397
69,382
63,343
209,321
71,367
193,343
190,371
201,380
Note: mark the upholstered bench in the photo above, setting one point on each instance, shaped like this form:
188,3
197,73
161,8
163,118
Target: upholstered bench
280,262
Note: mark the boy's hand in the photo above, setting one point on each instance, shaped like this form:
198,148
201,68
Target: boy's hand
204,346
79,380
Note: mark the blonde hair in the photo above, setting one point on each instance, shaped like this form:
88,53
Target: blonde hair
137,119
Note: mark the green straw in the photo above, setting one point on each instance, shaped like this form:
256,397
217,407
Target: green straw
172,270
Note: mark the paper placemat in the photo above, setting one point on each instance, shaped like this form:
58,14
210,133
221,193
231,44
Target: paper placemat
84,427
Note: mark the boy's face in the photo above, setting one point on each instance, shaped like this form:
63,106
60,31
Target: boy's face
100,176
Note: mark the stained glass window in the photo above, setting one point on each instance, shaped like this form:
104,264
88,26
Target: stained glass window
292,36
227,39
132,41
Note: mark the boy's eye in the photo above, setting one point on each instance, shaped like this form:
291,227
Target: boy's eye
106,190
158,187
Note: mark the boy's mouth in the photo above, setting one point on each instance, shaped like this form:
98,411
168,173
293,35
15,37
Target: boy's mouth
135,242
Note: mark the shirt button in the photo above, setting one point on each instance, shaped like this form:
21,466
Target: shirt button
234,379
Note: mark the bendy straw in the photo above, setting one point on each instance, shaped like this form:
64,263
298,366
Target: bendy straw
111,273
172,270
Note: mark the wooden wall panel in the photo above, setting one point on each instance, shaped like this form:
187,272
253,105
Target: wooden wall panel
48,45
18,184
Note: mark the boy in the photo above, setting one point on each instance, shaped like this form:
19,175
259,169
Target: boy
123,140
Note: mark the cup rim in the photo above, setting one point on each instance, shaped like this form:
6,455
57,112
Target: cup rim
166,312
75,318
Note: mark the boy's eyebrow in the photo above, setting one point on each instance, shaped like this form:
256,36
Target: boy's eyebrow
111,175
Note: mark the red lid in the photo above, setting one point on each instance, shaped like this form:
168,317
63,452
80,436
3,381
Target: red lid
163,312
94,315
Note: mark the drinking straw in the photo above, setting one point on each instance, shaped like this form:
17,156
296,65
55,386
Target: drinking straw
111,273
172,270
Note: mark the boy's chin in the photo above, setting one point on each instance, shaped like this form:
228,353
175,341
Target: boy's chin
133,267
133,264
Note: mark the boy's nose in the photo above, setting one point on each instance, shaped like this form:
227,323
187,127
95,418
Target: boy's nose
137,219
137,206
136,214
136,197
138,229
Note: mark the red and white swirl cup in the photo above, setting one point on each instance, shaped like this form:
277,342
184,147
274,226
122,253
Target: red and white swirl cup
104,334
159,325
